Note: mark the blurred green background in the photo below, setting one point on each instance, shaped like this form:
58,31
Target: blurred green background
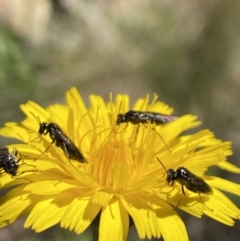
188,52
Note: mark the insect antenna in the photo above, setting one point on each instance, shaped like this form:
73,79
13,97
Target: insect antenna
36,117
39,122
164,174
161,164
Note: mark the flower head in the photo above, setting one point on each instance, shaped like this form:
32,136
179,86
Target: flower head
122,172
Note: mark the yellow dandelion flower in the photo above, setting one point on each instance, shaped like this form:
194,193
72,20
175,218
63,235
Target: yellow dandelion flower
120,174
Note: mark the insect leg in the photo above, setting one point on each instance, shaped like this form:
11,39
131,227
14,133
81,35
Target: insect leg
204,203
17,176
65,149
163,141
45,150
176,207
171,184
183,190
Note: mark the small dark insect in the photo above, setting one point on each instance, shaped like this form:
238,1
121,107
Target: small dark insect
187,179
61,140
136,117
9,161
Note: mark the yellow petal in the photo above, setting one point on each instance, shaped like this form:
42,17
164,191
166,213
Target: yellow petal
101,197
50,187
79,214
178,230
223,184
114,222
47,213
144,217
120,175
76,102
221,208
101,114
15,204
229,167
122,104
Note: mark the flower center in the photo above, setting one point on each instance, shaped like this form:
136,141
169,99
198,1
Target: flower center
111,157
122,158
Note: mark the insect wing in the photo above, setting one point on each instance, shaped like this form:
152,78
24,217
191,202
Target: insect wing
68,147
192,182
198,185
162,119
72,152
145,117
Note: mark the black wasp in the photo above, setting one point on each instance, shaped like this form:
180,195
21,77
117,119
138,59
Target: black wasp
187,179
61,140
136,117
9,161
